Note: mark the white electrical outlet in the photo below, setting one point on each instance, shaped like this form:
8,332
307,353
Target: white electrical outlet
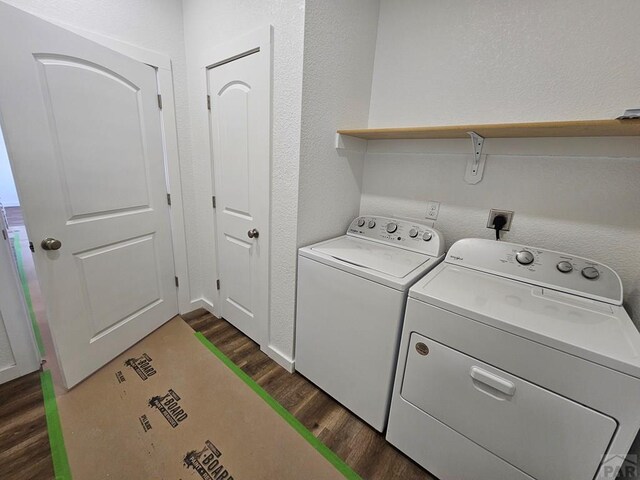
432,210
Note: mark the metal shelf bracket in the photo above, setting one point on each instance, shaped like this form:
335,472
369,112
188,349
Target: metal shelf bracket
475,165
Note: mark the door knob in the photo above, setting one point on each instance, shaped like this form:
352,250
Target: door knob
253,233
51,244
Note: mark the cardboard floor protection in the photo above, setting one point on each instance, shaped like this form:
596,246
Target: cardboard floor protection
169,408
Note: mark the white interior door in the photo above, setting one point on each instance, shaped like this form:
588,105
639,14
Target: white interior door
18,353
82,128
240,131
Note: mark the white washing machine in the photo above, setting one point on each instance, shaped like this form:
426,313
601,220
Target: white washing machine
352,292
516,363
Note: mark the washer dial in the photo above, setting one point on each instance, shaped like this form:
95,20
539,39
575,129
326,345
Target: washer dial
590,273
413,233
525,257
361,222
371,224
564,266
426,236
392,227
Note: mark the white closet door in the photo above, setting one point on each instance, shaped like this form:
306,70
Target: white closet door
240,137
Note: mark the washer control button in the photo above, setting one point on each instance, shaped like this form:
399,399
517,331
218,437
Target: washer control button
361,222
371,224
392,227
564,266
525,257
413,233
426,236
590,273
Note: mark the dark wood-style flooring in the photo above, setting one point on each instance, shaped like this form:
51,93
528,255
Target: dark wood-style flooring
24,441
24,445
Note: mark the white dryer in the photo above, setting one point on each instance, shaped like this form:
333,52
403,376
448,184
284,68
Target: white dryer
352,292
516,363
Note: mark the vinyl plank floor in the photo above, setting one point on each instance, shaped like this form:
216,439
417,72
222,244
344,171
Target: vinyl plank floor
24,441
24,444
360,446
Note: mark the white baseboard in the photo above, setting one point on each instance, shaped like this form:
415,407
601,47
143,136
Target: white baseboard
201,303
285,362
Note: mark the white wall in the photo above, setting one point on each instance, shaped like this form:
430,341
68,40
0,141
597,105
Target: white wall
339,49
207,24
474,61
8,194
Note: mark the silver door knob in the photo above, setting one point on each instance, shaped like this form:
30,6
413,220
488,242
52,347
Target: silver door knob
253,233
51,244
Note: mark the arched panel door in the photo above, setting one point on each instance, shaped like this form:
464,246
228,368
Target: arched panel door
83,132
240,138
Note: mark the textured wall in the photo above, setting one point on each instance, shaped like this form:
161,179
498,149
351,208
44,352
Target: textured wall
500,61
207,24
473,61
339,48
584,205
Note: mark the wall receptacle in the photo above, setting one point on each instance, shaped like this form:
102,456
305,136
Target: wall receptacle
432,210
493,213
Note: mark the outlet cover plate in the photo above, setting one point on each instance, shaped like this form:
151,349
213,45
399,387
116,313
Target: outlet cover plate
432,210
494,212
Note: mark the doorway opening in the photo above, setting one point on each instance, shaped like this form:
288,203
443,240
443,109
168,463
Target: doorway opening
13,223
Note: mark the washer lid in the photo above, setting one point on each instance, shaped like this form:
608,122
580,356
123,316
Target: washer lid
393,261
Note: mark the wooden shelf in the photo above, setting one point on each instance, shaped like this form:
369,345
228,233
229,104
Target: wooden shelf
582,128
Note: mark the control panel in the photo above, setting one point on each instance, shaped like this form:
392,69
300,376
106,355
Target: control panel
402,233
545,268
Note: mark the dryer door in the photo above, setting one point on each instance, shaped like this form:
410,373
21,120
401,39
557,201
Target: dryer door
533,429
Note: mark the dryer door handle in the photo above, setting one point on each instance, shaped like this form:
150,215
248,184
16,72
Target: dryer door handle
493,381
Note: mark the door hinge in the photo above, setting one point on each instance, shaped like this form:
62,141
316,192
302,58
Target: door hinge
4,234
31,247
218,284
160,101
177,281
213,201
168,199
208,102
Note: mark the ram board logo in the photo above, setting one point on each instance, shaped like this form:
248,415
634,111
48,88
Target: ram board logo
169,407
207,463
142,366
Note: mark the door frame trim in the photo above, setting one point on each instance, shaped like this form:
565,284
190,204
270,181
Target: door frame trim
164,73
256,42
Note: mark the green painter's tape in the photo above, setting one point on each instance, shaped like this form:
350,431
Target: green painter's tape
27,294
56,440
283,412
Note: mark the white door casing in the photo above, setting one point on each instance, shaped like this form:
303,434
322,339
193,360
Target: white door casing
82,127
14,316
238,85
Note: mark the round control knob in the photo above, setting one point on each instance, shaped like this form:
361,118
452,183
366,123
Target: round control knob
590,273
564,266
413,233
426,236
392,227
361,222
371,224
524,257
